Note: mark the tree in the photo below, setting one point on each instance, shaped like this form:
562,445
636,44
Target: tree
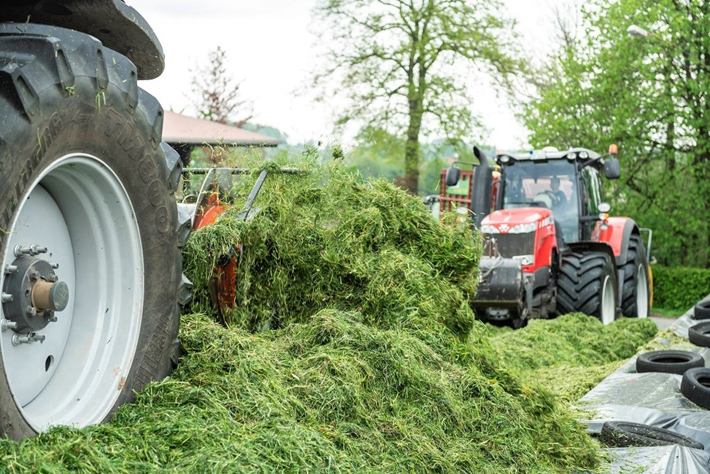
216,94
408,65
652,97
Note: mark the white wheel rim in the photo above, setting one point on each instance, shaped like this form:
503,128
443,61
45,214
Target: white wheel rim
608,305
81,212
641,293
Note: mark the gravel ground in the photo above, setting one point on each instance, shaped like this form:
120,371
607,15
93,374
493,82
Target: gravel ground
663,323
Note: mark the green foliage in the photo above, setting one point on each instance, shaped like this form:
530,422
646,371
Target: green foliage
398,65
378,153
679,288
648,96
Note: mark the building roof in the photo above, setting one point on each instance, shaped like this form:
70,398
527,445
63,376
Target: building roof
193,131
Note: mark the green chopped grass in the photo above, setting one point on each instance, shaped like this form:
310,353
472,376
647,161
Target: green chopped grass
571,354
352,349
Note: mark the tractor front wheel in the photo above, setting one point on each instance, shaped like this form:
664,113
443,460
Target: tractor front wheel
587,284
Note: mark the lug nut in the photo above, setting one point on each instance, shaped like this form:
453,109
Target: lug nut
32,250
31,311
6,297
54,265
34,275
18,339
6,324
36,250
20,251
9,269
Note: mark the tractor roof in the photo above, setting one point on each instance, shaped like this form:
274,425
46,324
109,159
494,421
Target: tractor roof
535,155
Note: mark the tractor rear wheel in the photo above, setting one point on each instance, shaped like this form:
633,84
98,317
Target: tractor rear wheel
90,243
587,284
635,300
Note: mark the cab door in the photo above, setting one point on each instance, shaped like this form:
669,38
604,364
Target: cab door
591,197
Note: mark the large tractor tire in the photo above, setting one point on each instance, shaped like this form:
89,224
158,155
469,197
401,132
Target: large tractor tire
635,302
587,284
90,234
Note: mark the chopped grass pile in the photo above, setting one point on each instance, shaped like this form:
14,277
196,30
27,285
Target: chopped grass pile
332,394
356,280
352,349
571,354
329,240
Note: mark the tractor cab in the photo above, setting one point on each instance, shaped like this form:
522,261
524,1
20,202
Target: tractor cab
568,183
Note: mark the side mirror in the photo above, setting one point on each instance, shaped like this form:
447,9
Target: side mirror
612,170
452,175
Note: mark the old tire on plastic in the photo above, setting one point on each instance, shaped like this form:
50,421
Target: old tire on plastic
669,362
635,302
622,434
695,386
83,172
700,334
702,310
587,284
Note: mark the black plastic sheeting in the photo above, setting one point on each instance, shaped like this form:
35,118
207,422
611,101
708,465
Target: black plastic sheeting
653,399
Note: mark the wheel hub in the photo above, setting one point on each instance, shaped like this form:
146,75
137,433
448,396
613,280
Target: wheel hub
32,293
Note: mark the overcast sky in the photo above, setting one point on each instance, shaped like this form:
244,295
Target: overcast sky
271,50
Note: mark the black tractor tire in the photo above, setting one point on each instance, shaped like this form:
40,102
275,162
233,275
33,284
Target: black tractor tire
583,283
63,93
700,334
669,362
633,303
702,310
695,386
623,434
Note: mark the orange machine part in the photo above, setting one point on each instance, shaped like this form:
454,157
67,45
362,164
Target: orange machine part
223,285
209,212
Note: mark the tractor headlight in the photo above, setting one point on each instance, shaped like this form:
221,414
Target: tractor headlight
523,228
489,229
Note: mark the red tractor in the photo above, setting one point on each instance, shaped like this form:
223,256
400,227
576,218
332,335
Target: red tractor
550,246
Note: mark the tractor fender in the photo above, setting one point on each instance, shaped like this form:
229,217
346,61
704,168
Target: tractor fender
617,235
593,246
118,26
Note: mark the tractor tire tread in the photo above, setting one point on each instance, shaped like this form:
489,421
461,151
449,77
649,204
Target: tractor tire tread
635,256
49,73
579,282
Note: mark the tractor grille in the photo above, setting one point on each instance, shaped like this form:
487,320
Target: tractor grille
514,245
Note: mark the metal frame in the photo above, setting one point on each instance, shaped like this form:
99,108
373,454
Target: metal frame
211,173
648,245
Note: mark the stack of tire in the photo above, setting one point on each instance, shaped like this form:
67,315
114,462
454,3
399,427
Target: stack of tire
620,434
695,386
696,382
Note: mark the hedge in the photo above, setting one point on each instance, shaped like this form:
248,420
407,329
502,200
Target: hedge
679,287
